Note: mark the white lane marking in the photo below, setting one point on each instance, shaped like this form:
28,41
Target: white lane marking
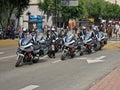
30,87
101,57
96,60
1,52
56,61
16,55
44,57
82,58
8,57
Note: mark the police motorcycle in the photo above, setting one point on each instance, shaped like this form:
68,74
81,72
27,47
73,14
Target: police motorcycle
44,47
61,35
95,43
40,45
29,51
85,41
52,37
25,52
87,45
101,39
70,47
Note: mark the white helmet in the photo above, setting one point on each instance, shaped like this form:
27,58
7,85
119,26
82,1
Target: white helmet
24,30
53,29
83,27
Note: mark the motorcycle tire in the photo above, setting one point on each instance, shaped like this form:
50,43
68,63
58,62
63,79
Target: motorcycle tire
100,48
56,49
18,63
35,60
89,51
81,53
62,57
72,55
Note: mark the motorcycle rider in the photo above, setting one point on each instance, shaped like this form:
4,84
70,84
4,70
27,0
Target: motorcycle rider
23,33
52,38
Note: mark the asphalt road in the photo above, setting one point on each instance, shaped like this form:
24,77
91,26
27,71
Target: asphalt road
79,73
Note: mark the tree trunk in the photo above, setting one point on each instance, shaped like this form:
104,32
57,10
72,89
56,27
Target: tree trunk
1,24
9,16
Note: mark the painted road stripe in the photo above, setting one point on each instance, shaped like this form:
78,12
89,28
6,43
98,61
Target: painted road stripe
83,58
44,57
1,52
30,87
56,61
99,59
16,55
8,57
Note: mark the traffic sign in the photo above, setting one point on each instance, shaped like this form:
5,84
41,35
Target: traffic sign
35,18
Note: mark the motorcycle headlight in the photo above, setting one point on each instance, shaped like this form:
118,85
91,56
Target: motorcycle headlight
22,48
98,39
66,44
29,49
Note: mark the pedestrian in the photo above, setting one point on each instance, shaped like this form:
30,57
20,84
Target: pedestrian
118,32
8,31
117,26
12,33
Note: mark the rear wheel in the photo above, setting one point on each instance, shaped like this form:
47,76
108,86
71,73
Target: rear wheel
72,55
81,53
89,51
35,60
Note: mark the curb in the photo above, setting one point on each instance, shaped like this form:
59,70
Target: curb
9,42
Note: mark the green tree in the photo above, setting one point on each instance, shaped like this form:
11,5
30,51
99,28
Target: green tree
86,8
111,11
9,7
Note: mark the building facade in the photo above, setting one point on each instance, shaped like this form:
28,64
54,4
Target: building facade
114,1
34,10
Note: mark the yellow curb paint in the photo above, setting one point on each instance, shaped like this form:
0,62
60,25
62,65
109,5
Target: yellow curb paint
112,46
8,42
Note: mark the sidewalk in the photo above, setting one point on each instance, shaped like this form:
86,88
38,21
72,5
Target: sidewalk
9,42
110,82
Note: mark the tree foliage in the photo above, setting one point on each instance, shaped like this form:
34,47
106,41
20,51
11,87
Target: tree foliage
9,7
86,8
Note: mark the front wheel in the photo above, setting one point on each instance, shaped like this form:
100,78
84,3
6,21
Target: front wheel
35,60
64,53
72,55
63,57
19,60
81,53
89,51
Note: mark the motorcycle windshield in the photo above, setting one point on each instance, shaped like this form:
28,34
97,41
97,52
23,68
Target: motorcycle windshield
25,40
101,35
87,37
